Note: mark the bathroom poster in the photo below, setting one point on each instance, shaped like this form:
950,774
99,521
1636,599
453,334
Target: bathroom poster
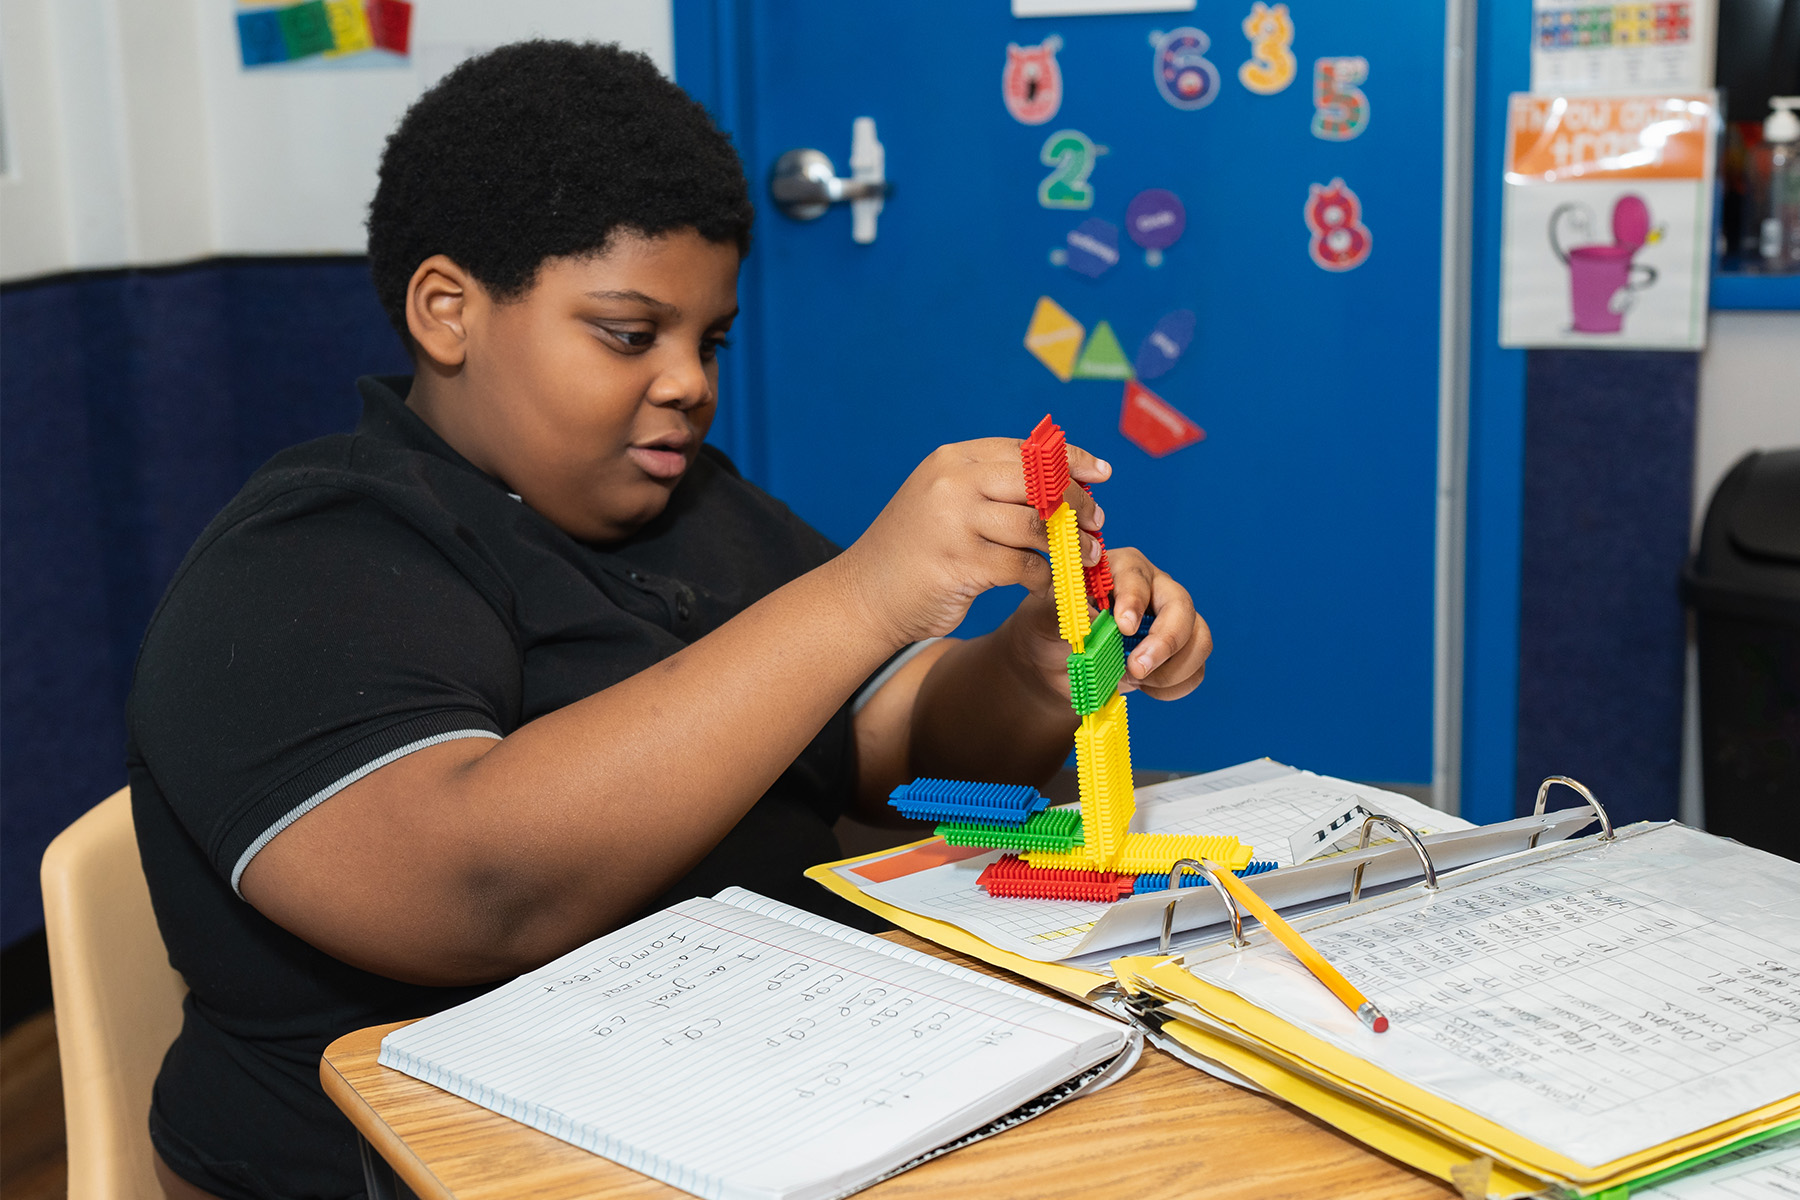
1608,221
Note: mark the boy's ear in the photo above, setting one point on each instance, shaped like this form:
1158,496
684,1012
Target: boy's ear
439,300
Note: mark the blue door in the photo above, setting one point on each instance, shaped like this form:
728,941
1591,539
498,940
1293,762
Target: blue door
1302,147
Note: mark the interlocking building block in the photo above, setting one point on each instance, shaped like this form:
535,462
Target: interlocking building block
1067,578
1058,829
1159,881
1103,769
1095,670
1100,578
1151,852
1011,877
958,800
1045,457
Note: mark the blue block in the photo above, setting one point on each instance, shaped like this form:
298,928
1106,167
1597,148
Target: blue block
1158,881
259,38
958,800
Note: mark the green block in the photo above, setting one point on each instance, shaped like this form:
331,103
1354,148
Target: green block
306,30
1095,670
1057,829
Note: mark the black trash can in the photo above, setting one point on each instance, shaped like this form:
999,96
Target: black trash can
1744,588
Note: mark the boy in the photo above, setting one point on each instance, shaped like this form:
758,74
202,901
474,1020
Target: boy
522,658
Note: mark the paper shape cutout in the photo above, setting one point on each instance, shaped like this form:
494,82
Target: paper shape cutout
1155,219
1103,357
1031,85
1271,66
1154,425
350,32
305,29
328,29
1340,241
1340,109
1054,337
391,22
1183,74
1093,247
1165,344
1072,153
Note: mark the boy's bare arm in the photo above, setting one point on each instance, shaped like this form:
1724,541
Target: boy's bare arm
473,860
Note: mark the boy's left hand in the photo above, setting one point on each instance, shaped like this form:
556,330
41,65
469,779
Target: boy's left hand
1168,664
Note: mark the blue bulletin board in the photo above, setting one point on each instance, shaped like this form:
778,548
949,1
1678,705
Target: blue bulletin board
1304,520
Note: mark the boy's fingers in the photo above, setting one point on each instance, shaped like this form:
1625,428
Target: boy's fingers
1131,588
1011,525
1085,468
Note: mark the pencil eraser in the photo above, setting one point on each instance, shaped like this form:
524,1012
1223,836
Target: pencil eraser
1381,1024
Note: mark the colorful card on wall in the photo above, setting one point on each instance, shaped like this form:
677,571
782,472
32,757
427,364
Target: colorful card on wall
1607,221
1154,425
1093,247
315,33
1184,76
1340,241
1165,344
1340,107
1103,357
1054,337
1155,219
1270,67
1031,85
1580,47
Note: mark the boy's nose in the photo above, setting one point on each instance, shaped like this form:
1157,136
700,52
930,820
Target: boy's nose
684,386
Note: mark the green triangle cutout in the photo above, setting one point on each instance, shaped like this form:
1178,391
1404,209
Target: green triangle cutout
1102,357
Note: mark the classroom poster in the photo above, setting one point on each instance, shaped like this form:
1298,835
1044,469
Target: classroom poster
1579,47
1608,221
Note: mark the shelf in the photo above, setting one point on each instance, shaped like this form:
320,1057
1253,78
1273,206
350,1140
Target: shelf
1731,290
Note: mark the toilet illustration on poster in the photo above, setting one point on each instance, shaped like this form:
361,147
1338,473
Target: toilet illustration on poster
1604,281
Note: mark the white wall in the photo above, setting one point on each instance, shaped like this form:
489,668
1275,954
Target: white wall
138,139
1749,400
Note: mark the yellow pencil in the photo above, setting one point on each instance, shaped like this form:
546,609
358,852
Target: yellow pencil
1309,958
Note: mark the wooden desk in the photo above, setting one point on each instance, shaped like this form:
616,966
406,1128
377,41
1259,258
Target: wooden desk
1164,1130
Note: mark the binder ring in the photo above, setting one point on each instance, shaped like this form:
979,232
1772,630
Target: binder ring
1606,829
1405,831
1175,873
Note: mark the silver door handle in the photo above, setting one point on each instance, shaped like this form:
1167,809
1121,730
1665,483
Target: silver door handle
805,185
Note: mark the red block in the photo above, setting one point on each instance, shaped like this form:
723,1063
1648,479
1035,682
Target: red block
1153,424
1013,876
390,21
1099,578
1045,457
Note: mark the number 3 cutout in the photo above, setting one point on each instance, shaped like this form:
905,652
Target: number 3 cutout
1072,153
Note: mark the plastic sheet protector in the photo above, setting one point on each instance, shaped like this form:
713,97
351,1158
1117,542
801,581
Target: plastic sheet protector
1599,999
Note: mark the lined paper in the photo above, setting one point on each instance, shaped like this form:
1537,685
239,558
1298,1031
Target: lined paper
1599,999
733,1054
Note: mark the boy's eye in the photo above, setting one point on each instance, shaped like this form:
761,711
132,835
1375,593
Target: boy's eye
709,349
633,339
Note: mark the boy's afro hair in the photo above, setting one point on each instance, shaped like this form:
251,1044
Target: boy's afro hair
546,149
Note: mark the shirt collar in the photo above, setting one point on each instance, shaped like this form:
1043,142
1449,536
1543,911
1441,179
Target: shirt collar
386,416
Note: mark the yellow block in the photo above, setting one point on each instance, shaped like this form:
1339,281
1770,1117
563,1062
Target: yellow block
1103,768
1054,337
349,24
1067,578
1157,852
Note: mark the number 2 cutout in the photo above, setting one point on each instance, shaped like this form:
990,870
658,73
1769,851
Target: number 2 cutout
1072,153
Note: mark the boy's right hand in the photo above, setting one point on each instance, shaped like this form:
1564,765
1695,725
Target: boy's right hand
958,526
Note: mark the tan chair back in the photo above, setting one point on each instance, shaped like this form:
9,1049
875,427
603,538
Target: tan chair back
118,1001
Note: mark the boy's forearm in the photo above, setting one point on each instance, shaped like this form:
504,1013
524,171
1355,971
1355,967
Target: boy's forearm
985,712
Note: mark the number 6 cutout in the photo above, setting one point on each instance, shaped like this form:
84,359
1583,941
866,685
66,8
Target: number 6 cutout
1072,153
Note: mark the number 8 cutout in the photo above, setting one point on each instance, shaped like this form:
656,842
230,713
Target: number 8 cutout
1340,241
1072,153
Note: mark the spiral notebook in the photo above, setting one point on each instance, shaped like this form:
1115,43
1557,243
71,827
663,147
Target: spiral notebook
742,1049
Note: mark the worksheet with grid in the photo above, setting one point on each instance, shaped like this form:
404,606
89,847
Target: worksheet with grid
1600,999
1765,1171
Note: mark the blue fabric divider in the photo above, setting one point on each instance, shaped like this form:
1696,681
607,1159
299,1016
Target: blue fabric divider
133,405
1609,461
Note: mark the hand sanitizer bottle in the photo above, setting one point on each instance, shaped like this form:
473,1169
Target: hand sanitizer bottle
1772,192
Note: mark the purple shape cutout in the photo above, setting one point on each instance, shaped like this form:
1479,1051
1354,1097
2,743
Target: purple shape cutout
1165,344
1155,219
1093,247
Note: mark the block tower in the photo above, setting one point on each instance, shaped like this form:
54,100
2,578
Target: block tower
1090,853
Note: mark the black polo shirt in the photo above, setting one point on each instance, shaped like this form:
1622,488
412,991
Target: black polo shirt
364,596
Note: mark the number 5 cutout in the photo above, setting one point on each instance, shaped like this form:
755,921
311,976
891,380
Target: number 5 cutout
1072,153
1340,109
